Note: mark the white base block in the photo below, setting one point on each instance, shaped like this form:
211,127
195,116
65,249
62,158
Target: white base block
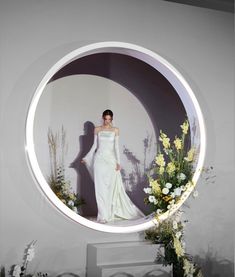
133,258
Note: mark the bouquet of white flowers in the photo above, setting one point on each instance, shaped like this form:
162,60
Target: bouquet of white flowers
172,173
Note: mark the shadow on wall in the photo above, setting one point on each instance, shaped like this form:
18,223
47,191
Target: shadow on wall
213,267
136,180
85,185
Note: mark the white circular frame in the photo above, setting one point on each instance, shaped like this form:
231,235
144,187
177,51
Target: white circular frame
177,81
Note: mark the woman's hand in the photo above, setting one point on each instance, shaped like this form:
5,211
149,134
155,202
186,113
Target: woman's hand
118,167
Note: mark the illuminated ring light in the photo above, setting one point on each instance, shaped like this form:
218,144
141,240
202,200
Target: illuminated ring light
176,80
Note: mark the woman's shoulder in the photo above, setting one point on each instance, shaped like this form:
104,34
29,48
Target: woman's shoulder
97,129
116,130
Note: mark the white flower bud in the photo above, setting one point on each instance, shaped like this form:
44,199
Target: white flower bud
165,191
168,185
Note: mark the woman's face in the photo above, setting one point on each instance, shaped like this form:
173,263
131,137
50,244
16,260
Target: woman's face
107,120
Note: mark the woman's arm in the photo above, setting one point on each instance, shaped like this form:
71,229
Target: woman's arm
89,155
116,147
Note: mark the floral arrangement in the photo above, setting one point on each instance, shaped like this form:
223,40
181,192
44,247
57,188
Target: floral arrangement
172,172
170,235
172,175
18,271
58,183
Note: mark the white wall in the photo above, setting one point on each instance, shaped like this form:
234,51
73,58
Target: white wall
34,35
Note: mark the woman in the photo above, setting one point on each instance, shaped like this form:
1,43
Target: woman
103,163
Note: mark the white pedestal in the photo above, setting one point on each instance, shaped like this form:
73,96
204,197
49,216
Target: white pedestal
119,259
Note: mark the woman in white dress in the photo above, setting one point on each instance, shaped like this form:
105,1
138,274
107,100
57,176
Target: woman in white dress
103,164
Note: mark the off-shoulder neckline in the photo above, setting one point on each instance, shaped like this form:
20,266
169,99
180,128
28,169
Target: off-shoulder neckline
106,131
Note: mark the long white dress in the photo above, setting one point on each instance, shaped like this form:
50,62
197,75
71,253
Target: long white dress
112,200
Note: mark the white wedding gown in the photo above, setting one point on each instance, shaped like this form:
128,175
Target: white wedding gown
112,200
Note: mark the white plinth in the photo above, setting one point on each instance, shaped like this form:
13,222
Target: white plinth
133,258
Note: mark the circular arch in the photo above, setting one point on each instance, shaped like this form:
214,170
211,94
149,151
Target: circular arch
184,91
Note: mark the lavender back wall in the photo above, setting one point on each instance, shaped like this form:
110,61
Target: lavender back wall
198,42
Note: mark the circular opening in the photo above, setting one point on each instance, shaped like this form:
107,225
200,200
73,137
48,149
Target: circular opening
150,61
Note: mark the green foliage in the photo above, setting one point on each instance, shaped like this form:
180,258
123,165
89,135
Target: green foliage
57,181
169,178
172,172
64,192
169,234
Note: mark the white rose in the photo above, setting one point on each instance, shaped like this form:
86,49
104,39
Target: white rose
155,201
168,185
165,191
159,211
177,191
147,190
172,194
169,207
152,199
71,203
181,176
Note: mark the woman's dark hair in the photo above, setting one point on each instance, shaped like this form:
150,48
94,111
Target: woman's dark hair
108,112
